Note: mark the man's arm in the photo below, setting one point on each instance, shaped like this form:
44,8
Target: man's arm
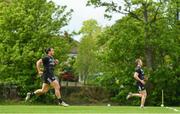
146,78
138,79
56,61
38,66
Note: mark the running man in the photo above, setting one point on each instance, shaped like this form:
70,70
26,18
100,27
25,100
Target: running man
139,77
47,77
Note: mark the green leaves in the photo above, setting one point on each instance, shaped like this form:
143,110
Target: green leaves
150,31
87,64
27,27
90,28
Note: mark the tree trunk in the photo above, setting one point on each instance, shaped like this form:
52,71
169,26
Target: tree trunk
177,11
148,55
85,74
148,48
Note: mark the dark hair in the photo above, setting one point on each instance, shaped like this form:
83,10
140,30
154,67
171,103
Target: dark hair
47,50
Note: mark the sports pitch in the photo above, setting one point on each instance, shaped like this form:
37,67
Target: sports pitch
33,109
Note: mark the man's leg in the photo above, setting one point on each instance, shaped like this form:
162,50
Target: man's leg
136,95
56,87
143,98
44,89
133,95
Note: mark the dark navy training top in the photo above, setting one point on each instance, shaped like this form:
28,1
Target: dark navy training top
49,64
140,72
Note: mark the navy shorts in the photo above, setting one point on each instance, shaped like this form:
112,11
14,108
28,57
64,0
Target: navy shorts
47,79
141,87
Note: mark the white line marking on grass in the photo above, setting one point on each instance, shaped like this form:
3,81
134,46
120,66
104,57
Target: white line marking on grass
90,113
176,110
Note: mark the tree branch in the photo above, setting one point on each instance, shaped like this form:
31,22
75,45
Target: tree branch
156,13
135,16
130,12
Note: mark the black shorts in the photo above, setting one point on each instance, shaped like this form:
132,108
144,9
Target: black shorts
47,79
141,87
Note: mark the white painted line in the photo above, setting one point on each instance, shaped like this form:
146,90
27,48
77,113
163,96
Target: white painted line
91,113
171,108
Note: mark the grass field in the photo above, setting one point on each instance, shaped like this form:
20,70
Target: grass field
32,109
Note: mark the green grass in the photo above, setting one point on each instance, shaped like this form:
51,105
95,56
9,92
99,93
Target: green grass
32,109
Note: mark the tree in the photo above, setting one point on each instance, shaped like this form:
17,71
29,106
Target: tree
146,12
125,41
86,60
27,27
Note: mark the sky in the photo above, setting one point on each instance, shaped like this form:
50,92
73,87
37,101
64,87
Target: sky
82,13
